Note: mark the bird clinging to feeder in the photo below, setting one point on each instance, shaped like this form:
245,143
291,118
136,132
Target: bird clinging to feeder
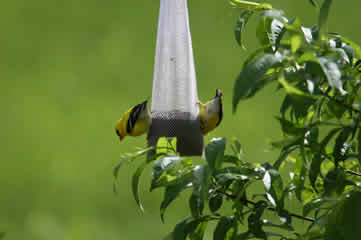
211,113
135,122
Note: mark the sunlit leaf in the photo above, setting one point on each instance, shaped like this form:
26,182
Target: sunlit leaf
274,187
332,73
296,41
278,30
354,45
163,164
251,75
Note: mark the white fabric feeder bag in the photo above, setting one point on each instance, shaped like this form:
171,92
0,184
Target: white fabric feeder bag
174,96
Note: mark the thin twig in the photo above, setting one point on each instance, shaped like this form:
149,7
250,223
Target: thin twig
246,201
348,106
352,172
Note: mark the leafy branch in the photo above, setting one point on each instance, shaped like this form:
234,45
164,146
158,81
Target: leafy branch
342,103
246,201
319,155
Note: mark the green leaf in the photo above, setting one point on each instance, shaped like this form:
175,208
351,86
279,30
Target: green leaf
241,23
251,75
299,102
236,147
135,184
278,30
345,220
299,175
323,19
199,232
335,182
215,151
194,206
359,145
314,3
274,14
274,187
315,168
215,201
223,226
201,182
163,164
285,226
184,228
166,145
243,236
262,30
342,147
172,192
296,41
311,235
318,157
255,222
311,205
310,34
332,73
284,153
354,45
290,128
131,157
231,159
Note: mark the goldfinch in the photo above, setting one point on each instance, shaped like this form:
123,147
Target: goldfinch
211,113
135,122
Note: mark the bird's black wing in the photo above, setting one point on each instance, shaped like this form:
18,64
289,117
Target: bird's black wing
134,115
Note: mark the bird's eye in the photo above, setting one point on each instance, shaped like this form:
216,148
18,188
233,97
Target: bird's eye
116,130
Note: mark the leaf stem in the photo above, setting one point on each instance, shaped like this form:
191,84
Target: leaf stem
246,201
246,3
345,105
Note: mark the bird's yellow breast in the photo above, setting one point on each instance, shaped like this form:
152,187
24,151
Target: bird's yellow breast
208,121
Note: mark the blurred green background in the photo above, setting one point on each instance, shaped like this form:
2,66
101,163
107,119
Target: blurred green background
69,69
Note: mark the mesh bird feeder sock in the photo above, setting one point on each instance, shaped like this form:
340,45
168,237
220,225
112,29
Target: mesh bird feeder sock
174,96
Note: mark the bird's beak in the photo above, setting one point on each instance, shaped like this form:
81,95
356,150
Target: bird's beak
121,138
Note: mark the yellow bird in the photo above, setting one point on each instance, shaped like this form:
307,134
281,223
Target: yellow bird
135,122
211,113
